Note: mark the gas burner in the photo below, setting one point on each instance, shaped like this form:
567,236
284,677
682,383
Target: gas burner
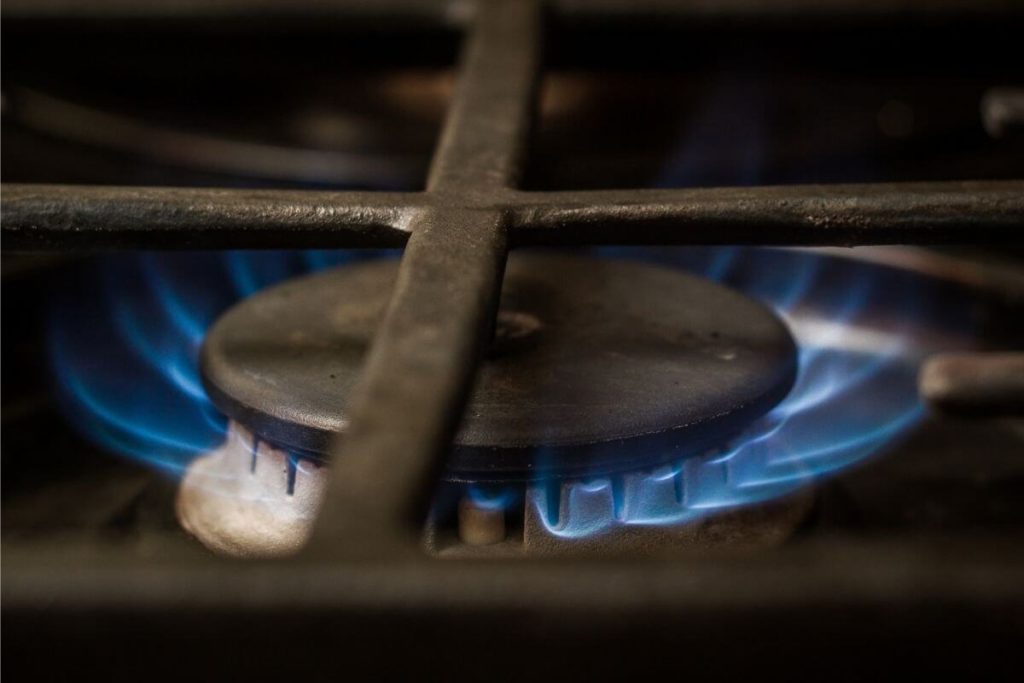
597,369
249,499
798,495
597,366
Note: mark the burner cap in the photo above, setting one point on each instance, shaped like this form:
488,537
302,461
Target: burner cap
597,365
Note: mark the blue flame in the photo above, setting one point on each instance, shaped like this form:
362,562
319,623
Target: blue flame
126,357
124,345
862,333
492,497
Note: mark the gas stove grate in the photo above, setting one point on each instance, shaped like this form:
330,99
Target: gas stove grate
457,234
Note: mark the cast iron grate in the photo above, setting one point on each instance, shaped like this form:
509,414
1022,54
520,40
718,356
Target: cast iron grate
457,234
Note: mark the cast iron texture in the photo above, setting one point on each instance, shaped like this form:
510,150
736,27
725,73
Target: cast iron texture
608,365
416,380
63,217
421,365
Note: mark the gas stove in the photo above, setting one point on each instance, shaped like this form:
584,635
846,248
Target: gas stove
518,338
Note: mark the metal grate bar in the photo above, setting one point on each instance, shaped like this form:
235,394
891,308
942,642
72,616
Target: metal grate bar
423,359
414,385
484,138
44,217
810,215
986,568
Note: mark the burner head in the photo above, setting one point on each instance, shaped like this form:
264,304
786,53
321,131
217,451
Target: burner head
596,366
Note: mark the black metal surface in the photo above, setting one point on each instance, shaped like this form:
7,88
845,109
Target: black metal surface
607,365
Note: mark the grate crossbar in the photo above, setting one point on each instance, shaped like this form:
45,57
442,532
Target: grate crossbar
66,217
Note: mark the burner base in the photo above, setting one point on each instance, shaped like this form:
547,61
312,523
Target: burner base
597,366
248,499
